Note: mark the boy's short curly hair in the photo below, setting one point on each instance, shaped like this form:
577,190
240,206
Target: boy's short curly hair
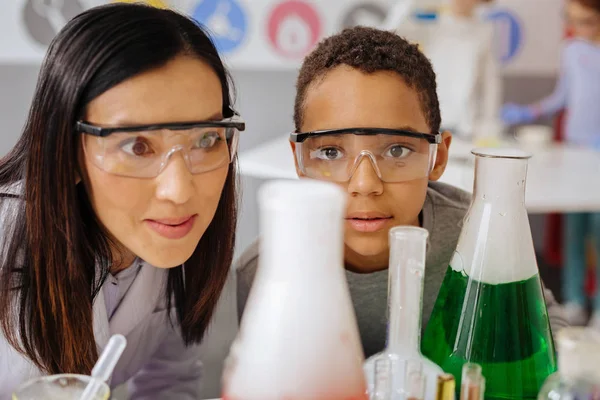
371,50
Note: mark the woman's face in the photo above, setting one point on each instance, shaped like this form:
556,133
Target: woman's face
584,21
349,98
161,219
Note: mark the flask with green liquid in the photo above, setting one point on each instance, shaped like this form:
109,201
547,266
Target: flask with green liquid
490,309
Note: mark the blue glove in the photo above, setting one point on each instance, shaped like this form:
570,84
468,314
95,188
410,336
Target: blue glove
596,143
513,114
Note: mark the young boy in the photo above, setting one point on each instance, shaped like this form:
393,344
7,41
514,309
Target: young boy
372,96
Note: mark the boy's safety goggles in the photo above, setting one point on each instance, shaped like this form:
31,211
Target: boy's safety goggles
396,155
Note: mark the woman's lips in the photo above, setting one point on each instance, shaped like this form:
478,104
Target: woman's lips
172,228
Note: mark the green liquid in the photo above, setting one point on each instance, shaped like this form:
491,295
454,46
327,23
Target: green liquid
504,328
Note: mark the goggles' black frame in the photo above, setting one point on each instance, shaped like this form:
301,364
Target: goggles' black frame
233,122
430,137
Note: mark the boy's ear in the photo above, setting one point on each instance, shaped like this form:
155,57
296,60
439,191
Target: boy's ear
293,146
441,159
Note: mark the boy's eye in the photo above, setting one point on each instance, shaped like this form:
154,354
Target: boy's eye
397,151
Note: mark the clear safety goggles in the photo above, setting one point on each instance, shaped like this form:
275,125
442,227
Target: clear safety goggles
144,151
395,155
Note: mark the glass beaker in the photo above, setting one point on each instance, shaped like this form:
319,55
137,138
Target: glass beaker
59,387
491,309
298,337
578,376
408,246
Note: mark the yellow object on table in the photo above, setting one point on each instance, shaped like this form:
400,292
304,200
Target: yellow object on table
487,142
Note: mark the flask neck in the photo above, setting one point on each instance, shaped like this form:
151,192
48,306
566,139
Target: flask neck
500,180
301,226
301,243
405,289
495,245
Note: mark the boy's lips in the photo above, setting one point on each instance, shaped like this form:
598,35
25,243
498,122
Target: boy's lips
368,221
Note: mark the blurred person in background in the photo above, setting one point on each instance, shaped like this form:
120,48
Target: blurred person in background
577,91
468,75
460,45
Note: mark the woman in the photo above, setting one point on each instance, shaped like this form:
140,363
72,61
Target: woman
119,203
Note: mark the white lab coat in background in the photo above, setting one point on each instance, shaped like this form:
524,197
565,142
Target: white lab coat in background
468,76
469,81
155,362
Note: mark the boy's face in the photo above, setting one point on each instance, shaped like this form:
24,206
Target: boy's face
348,98
584,21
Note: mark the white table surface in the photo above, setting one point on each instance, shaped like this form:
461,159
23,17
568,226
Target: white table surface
560,178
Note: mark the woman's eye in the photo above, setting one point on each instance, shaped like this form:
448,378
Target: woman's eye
329,153
207,140
136,147
397,151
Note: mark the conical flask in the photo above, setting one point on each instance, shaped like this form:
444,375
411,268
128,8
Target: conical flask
408,369
578,375
298,338
490,309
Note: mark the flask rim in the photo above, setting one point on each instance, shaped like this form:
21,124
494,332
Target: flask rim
302,194
508,152
402,231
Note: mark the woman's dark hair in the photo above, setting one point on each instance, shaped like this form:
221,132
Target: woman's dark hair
56,254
